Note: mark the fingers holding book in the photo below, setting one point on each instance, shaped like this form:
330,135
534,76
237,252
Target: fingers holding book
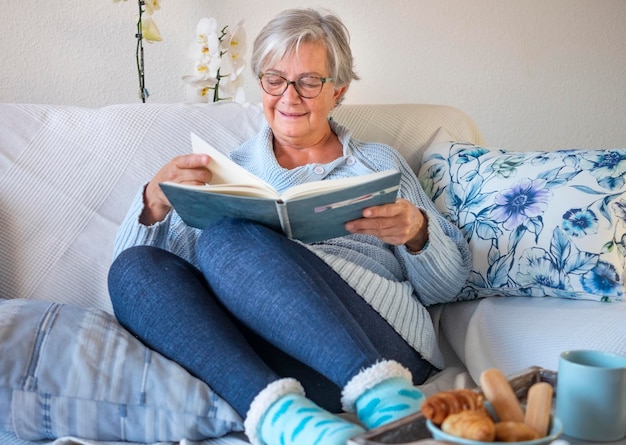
188,169
395,223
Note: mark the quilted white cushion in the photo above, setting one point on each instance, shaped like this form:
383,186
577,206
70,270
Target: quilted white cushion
68,175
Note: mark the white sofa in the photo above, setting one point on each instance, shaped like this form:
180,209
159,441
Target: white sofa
67,177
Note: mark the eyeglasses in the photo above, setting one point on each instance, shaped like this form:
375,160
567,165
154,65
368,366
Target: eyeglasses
307,87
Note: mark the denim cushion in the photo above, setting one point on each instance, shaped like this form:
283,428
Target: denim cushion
69,371
538,223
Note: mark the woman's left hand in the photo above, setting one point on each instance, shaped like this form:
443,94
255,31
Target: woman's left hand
398,223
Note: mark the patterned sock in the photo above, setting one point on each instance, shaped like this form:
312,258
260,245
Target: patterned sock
388,401
281,415
381,394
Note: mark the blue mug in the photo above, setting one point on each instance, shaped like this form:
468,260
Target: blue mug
591,395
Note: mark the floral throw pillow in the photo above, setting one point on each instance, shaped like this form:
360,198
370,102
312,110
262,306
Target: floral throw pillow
538,223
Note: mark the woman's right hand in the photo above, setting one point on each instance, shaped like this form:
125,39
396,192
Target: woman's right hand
186,169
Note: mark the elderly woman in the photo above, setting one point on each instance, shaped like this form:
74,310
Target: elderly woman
259,317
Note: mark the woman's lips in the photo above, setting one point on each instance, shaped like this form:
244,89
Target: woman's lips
291,114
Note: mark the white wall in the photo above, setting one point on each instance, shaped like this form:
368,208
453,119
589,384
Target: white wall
532,73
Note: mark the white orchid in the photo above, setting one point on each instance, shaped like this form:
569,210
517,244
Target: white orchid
218,63
199,90
237,47
207,38
146,30
151,6
149,30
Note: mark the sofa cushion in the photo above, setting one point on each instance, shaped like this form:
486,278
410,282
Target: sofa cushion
76,372
408,128
514,333
68,176
538,223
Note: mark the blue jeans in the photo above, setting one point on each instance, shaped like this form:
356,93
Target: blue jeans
260,307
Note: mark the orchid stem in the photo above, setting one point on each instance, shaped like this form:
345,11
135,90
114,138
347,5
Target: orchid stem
139,55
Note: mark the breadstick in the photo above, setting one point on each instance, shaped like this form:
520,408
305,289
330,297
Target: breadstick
514,432
498,391
538,407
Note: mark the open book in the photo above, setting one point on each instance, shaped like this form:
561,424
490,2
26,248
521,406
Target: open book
311,212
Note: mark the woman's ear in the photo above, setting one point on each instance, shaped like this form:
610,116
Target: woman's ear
339,92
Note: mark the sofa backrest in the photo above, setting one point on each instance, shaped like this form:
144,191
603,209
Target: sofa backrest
68,175
409,128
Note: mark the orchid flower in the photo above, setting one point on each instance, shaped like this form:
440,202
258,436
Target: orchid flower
237,47
218,63
151,6
149,30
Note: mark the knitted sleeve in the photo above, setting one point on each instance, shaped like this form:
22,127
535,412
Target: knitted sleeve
439,271
171,234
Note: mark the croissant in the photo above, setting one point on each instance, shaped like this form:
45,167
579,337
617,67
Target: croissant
473,425
510,431
440,405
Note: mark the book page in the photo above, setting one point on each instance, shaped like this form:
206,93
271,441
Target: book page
225,171
227,189
329,185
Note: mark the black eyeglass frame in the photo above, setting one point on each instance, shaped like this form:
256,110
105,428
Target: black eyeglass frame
323,80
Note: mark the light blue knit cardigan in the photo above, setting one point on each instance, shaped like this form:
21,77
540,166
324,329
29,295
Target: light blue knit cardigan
398,284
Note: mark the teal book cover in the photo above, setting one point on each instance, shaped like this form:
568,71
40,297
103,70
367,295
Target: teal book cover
313,214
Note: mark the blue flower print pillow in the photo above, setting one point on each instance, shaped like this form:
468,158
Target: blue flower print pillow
538,223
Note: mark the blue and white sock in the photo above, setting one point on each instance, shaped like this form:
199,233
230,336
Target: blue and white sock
282,415
381,394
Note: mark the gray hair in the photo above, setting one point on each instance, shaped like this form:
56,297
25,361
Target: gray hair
285,33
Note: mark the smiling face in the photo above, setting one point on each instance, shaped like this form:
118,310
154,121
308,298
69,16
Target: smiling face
298,122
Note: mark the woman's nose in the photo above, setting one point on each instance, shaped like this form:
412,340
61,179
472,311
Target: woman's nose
291,93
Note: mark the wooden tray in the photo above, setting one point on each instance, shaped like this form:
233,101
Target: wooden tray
412,429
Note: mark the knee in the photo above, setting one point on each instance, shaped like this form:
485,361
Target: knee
126,271
130,259
224,230
225,237
230,245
